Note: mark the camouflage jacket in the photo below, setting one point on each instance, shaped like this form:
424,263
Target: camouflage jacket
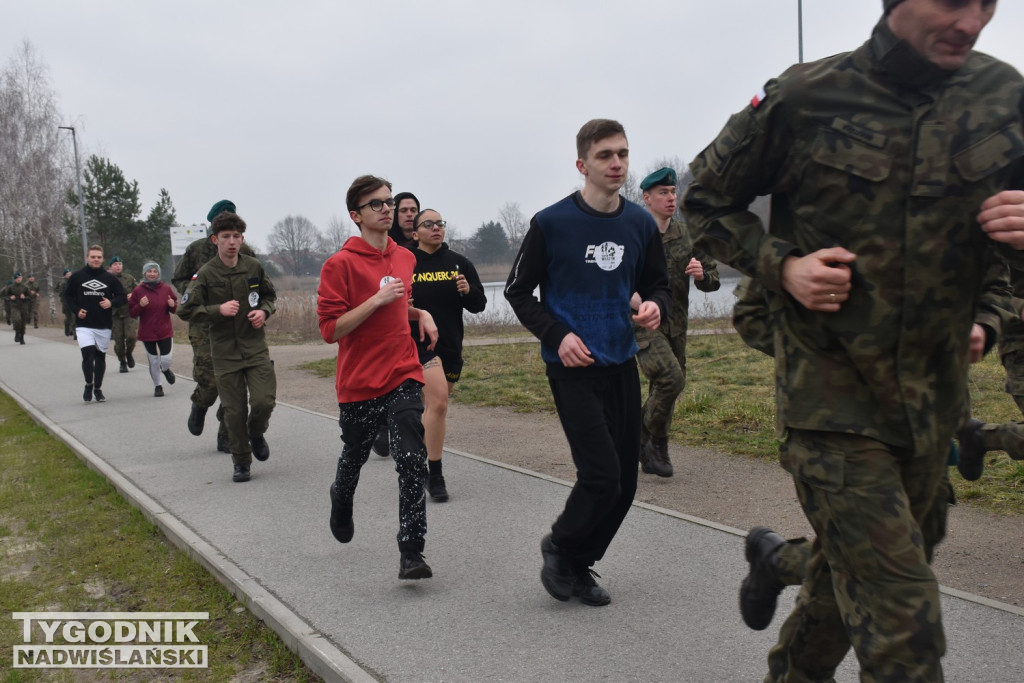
22,294
197,254
881,153
1012,338
128,282
679,249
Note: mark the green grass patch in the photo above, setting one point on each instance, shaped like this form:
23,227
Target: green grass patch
70,543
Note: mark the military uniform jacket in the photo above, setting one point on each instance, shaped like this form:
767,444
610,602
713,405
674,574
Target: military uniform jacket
232,338
881,153
679,249
197,254
19,290
62,286
128,284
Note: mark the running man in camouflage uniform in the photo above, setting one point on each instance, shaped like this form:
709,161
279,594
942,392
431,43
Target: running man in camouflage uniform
69,320
20,297
34,304
662,352
126,328
888,169
197,254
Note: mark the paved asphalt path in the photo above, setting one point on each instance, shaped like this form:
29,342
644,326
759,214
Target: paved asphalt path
484,616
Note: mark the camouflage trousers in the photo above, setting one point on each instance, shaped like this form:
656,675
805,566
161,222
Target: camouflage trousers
1008,436
69,322
124,334
866,580
19,317
248,392
7,311
205,393
662,359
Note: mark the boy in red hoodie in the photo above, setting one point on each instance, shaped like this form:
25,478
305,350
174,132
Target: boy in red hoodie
363,307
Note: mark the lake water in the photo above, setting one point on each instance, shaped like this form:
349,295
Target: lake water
702,304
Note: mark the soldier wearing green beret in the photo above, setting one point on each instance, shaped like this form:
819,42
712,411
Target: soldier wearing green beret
126,328
662,354
197,254
20,297
233,296
888,210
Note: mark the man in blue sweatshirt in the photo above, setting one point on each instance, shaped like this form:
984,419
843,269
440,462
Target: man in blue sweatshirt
588,253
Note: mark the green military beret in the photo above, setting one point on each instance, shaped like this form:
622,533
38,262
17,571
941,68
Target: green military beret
663,176
887,5
17,275
220,207
113,260
66,271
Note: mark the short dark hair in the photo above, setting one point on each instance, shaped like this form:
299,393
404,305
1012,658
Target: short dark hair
593,131
362,186
226,220
416,219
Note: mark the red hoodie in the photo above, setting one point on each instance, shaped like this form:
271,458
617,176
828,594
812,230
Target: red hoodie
380,354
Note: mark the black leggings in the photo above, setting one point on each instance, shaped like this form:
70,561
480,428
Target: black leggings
94,365
161,347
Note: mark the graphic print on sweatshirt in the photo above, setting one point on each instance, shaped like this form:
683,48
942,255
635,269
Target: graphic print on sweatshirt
607,255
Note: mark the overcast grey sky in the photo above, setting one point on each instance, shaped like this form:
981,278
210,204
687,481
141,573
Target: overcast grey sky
469,104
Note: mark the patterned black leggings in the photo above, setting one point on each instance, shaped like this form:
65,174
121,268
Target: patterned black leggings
402,410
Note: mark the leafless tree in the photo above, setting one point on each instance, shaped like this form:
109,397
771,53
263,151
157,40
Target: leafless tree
296,241
338,230
515,224
34,179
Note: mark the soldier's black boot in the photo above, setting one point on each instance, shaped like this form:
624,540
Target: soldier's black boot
241,474
654,457
124,367
129,359
759,592
972,450
223,443
342,525
260,449
196,420
557,575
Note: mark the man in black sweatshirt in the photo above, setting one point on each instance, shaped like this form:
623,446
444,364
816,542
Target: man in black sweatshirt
91,295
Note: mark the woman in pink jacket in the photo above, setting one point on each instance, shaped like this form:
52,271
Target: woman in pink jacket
152,302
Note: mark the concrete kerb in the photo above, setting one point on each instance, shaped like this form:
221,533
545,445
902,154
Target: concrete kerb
320,655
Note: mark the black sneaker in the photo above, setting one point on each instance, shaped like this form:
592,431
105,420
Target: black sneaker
241,473
87,394
158,391
98,395
556,574
587,590
260,449
223,443
380,444
342,525
169,375
759,592
196,420
436,488
413,566
972,450
129,360
124,367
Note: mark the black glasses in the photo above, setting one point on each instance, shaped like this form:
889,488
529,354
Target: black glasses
377,205
432,224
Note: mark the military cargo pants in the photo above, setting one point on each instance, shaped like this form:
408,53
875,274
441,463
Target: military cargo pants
1008,436
662,359
124,334
205,393
19,316
248,392
878,512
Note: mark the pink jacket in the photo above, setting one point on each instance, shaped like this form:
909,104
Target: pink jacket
155,318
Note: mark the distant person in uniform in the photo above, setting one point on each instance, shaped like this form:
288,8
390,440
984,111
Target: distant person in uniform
152,302
69,315
34,306
662,352
234,296
363,307
94,292
125,331
20,297
445,284
197,254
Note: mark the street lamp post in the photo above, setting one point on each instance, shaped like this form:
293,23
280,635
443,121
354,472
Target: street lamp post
81,195
800,29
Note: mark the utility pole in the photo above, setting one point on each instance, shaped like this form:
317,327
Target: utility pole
800,29
81,195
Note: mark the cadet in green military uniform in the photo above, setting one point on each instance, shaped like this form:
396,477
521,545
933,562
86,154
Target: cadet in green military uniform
7,301
20,297
205,394
662,352
126,328
69,320
34,307
234,296
882,165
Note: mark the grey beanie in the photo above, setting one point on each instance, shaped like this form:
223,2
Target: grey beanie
152,264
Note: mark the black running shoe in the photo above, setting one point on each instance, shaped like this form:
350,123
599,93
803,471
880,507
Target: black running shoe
169,375
413,566
158,391
87,394
100,398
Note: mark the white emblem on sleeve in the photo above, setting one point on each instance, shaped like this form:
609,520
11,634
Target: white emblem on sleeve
254,299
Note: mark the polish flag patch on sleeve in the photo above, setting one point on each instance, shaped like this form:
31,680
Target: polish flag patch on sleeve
757,99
